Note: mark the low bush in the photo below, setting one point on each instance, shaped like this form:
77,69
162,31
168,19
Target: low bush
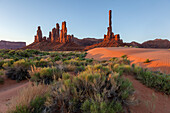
17,74
159,82
147,61
91,91
22,64
1,80
45,75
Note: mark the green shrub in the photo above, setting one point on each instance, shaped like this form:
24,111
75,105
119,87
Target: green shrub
65,76
17,74
22,64
57,58
1,80
147,61
41,63
124,56
158,81
46,74
36,106
91,91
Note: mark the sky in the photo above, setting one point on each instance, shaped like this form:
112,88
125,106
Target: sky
134,20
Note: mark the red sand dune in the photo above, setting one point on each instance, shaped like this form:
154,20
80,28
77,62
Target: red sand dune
160,58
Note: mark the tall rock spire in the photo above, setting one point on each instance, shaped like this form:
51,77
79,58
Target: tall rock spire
53,35
110,34
63,33
38,37
57,32
110,20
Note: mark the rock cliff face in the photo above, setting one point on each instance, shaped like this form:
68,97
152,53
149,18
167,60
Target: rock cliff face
11,45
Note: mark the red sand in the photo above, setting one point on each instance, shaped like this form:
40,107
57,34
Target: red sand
160,58
9,90
150,101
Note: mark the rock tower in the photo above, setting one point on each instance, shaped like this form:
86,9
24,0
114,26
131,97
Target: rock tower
110,35
56,35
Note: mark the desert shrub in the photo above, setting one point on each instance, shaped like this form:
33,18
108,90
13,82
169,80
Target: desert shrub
57,58
89,60
147,61
114,59
79,69
159,82
91,91
45,75
1,64
29,100
1,80
5,65
54,54
75,62
124,56
22,64
65,76
41,63
69,68
17,74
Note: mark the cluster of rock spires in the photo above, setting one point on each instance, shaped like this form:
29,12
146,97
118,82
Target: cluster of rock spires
56,35
60,40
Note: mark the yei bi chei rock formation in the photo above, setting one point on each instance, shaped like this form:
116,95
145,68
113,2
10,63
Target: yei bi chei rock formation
56,35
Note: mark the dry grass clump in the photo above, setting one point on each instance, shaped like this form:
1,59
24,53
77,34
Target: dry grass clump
26,95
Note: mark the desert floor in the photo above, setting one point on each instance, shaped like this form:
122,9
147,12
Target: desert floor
9,90
147,99
160,58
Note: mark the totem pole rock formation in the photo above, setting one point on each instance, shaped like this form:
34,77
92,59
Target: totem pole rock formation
38,37
110,35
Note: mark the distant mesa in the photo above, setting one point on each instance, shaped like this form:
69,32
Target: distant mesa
11,45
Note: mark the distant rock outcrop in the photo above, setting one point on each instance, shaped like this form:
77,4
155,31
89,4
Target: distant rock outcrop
157,43
86,41
11,45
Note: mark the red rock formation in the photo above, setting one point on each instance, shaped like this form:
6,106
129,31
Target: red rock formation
38,37
53,35
57,32
110,34
63,33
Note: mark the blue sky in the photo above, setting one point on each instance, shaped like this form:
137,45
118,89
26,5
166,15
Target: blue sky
134,20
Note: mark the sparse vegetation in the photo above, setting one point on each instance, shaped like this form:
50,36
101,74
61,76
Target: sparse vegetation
147,61
75,84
